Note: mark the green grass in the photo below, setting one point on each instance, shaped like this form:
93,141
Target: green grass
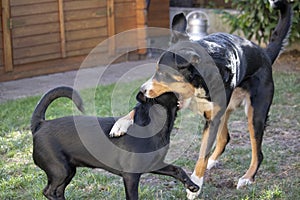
278,177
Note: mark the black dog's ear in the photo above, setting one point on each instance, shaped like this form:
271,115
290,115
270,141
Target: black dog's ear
140,97
179,23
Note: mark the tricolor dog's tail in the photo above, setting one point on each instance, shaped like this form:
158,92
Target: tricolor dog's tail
39,113
280,34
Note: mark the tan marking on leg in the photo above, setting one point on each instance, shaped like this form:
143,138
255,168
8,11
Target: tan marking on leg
205,147
254,159
203,159
236,99
222,137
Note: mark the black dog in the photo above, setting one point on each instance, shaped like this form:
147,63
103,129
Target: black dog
61,145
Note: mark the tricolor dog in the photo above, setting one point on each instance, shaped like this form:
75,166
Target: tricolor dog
61,145
246,73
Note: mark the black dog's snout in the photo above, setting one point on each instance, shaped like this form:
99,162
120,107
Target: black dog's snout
140,97
143,89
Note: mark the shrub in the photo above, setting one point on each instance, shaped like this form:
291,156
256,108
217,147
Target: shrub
256,19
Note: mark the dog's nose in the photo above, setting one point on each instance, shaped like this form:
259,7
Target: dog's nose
143,89
146,87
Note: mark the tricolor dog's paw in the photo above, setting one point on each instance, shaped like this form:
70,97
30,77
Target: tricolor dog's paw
120,127
198,181
243,182
211,164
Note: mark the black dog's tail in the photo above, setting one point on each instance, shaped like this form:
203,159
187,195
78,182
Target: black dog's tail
39,113
280,35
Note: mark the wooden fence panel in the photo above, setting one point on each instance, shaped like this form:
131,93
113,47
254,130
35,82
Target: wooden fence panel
35,30
59,31
85,25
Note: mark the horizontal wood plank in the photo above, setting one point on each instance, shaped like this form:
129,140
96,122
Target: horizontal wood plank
27,2
34,9
84,4
85,14
37,58
123,1
36,40
34,19
35,30
82,44
85,24
36,51
42,68
86,33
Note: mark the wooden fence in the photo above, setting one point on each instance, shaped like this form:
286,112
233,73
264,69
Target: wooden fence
35,31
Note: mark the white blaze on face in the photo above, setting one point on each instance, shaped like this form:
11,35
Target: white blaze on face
146,87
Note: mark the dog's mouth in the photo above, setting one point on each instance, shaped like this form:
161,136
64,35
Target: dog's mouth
183,103
180,103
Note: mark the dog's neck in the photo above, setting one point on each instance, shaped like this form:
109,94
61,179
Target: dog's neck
146,114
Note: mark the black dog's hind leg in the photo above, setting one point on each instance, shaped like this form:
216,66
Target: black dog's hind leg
131,182
59,176
71,174
179,174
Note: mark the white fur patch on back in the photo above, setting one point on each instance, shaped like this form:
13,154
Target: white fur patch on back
212,46
231,45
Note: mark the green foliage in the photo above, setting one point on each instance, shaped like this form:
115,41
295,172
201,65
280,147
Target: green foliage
256,19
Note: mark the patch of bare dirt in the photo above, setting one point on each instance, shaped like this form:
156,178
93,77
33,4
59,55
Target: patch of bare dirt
288,61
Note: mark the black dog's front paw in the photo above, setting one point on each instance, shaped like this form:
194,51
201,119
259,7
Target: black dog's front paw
193,187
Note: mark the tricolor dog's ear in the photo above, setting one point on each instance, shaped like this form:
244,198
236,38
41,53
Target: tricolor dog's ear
179,24
140,97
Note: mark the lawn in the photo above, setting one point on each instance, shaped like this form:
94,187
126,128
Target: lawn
278,177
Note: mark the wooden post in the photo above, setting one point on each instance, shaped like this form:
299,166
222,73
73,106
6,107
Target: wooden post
141,24
7,41
62,28
111,26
